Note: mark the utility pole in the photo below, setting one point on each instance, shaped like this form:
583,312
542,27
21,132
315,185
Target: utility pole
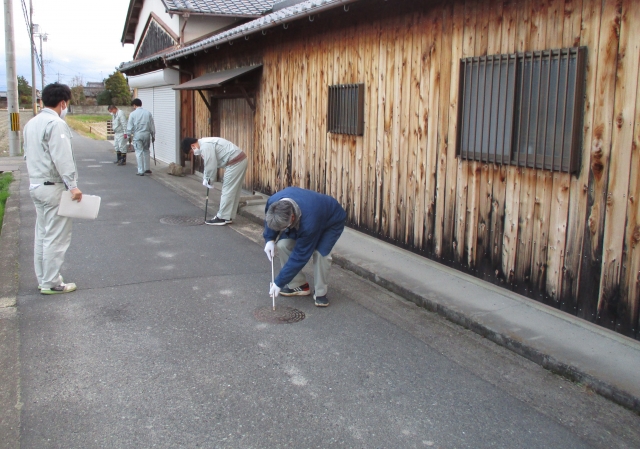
34,96
43,37
12,81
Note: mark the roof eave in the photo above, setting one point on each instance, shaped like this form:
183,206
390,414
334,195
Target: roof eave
182,11
269,23
127,22
151,64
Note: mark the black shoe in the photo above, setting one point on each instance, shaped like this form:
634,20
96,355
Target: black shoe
303,290
148,171
119,158
139,174
215,221
321,301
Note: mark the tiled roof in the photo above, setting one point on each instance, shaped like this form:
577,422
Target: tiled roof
236,8
126,66
279,17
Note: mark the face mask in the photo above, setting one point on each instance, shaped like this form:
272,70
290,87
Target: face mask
63,112
196,151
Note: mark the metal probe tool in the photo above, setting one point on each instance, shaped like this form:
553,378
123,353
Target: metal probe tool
273,297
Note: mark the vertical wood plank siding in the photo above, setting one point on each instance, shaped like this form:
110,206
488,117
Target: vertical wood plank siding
569,240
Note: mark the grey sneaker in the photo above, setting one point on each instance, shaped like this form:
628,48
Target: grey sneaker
215,221
62,288
321,301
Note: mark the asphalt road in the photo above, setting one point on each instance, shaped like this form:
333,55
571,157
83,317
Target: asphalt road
159,347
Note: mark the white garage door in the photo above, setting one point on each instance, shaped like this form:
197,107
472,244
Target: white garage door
165,117
161,102
146,96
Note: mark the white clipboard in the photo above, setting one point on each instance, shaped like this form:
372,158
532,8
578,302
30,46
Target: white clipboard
87,208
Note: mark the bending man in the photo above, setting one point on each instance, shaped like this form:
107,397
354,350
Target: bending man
119,126
143,132
52,168
220,153
304,224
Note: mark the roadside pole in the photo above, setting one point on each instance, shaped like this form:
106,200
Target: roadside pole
34,96
12,81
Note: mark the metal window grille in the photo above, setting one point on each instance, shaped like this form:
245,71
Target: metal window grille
345,114
523,109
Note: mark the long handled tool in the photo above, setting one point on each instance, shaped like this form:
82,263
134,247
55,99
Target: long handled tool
153,144
206,205
273,297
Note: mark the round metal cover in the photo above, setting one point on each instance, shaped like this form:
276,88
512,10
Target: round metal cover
182,221
282,315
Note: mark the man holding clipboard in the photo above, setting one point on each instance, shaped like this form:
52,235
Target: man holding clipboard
52,170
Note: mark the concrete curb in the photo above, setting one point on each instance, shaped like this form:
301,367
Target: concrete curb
572,373
9,320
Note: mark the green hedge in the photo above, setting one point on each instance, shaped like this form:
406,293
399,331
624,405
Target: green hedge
5,180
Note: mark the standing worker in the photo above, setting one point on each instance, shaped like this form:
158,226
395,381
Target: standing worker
220,153
142,131
304,223
119,126
52,170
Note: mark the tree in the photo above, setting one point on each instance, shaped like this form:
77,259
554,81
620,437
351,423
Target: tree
117,90
104,97
24,90
77,95
77,91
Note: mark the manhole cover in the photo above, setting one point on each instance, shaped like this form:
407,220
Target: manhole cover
182,221
282,315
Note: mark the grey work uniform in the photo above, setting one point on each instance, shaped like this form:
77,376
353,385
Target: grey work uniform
119,123
51,165
142,129
220,153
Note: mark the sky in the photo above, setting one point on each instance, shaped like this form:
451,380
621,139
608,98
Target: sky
83,39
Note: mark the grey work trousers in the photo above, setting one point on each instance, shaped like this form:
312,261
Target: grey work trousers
321,265
120,143
143,158
231,189
52,236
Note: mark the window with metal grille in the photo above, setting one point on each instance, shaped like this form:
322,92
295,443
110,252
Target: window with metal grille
345,112
523,109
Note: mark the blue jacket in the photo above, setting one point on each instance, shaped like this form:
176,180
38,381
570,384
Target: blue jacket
321,224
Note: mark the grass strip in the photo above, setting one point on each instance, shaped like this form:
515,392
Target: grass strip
90,118
5,180
82,124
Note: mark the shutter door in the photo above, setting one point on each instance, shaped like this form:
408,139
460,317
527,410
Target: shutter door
146,96
165,119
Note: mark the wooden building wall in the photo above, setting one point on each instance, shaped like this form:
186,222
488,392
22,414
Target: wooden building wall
567,240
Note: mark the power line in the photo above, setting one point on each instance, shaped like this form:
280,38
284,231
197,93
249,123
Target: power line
30,32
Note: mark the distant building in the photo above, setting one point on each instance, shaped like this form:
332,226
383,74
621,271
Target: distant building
92,89
3,99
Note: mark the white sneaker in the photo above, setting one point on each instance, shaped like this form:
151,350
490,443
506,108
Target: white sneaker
62,288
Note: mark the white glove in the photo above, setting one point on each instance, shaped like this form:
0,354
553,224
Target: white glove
274,290
206,184
270,249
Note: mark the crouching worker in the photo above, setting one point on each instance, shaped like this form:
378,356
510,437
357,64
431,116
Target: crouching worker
220,153
304,224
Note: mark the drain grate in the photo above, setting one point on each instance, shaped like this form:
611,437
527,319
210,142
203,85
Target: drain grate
282,315
181,221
